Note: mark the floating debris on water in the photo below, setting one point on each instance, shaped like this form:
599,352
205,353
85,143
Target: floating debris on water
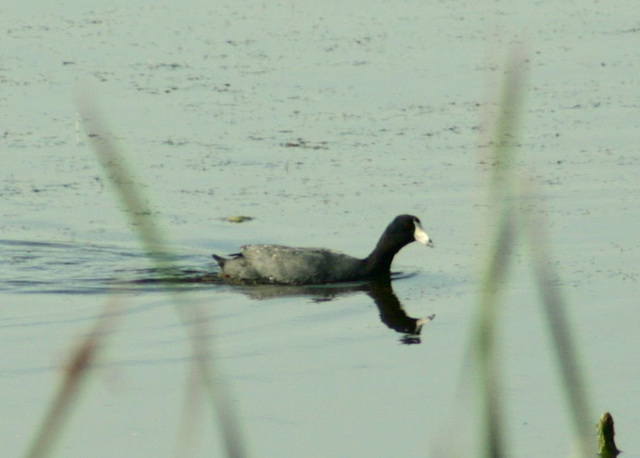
237,218
301,143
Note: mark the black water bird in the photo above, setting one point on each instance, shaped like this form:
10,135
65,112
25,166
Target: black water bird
309,266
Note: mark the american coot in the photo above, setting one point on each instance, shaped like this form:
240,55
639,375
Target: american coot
308,266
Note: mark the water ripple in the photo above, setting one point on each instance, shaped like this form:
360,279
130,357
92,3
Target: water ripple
75,268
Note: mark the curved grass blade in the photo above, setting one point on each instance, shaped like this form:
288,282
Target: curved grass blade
503,201
153,241
75,374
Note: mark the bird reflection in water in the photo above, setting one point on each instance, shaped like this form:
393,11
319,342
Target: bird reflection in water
380,290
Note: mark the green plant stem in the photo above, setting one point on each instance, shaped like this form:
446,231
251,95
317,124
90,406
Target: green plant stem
154,243
564,344
606,437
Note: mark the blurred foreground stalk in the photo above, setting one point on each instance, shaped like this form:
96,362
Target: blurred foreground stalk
516,222
194,321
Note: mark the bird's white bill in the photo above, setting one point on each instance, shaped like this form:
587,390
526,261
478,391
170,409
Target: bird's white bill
421,236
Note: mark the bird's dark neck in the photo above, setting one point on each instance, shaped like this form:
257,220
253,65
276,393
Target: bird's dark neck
380,259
